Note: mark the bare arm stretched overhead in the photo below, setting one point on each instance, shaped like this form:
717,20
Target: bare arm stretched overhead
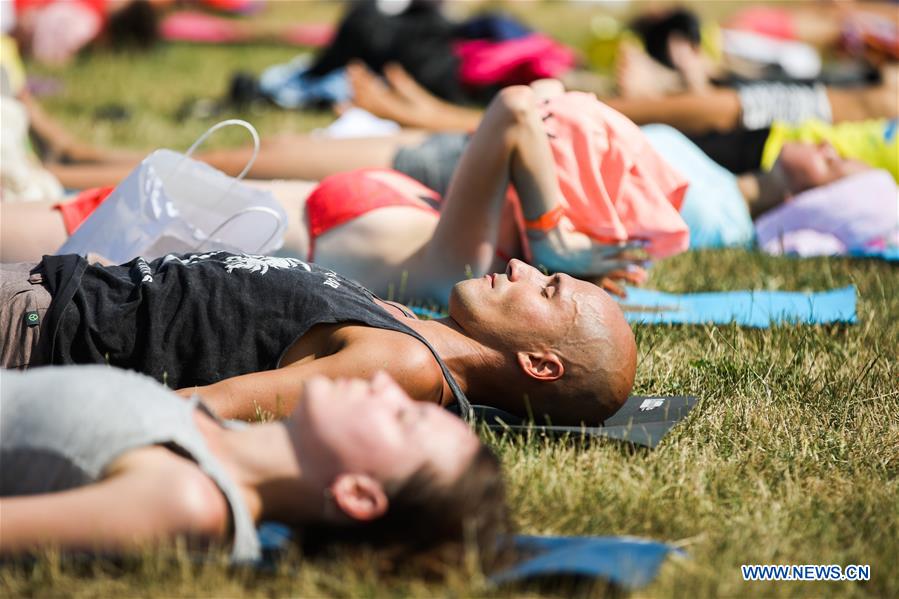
509,145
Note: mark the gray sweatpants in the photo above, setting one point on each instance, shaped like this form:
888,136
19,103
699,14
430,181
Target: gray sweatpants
433,161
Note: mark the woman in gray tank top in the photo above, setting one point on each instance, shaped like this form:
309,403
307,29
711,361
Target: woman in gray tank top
99,459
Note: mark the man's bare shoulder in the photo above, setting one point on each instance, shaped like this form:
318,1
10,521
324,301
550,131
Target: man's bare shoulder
408,360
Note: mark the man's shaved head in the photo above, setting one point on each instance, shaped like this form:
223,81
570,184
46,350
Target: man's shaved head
600,356
573,347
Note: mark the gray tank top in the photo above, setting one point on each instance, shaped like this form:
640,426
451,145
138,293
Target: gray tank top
62,427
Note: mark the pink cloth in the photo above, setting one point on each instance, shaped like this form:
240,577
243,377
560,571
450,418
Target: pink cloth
855,213
234,6
193,26
198,27
615,187
765,20
511,62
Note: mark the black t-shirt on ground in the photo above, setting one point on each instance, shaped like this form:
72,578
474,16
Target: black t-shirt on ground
199,318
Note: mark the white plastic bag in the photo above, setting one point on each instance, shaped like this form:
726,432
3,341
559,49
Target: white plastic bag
172,203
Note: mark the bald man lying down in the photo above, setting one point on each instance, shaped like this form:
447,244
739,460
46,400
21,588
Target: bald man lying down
246,332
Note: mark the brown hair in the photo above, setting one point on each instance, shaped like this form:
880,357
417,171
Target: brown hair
428,526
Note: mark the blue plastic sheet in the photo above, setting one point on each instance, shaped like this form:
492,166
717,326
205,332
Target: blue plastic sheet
626,562
747,308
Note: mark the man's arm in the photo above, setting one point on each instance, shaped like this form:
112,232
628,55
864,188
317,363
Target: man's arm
276,392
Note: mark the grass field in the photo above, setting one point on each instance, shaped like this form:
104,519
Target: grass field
792,455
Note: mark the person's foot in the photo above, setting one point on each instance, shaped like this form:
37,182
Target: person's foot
689,62
639,76
373,95
405,85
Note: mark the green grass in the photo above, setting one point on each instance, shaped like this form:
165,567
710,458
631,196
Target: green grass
791,456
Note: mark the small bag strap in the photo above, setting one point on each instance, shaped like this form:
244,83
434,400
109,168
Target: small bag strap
222,125
236,215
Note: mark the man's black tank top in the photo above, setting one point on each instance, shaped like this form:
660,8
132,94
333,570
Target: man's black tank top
199,318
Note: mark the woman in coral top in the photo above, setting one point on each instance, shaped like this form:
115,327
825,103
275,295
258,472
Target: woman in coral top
586,187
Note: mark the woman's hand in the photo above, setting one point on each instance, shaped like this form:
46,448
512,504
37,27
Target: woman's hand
563,249
635,275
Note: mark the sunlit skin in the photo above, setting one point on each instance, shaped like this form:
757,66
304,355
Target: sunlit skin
556,323
400,247
498,362
333,460
371,428
811,165
561,342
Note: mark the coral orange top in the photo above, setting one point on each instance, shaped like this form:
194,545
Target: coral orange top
615,187
98,6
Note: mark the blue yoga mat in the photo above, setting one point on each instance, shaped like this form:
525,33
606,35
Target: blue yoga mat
889,253
626,562
747,308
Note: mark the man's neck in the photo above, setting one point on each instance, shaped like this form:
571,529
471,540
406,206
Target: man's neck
476,368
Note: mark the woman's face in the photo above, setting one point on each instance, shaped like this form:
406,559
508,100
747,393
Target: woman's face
808,165
374,428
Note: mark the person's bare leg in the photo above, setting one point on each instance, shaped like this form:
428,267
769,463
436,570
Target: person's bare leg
694,112
639,76
690,63
28,230
62,146
305,157
405,84
312,158
719,109
413,106
511,141
877,102
84,176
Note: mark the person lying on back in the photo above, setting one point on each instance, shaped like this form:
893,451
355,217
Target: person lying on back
101,460
246,332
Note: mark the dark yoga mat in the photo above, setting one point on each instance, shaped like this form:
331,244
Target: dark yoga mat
642,420
626,562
